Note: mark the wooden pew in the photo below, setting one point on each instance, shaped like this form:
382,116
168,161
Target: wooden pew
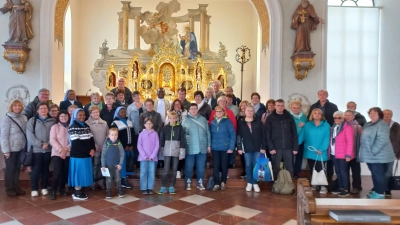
312,211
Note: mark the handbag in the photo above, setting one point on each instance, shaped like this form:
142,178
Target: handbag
26,157
318,178
394,181
210,183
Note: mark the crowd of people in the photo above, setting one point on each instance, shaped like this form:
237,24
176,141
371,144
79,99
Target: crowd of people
124,133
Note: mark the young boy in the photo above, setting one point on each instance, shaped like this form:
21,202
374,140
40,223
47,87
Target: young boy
112,157
172,142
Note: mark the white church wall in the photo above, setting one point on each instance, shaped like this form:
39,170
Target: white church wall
99,21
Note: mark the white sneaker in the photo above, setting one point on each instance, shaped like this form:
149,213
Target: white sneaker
256,188
45,192
178,174
323,190
249,187
34,193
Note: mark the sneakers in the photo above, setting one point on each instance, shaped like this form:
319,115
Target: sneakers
79,195
343,193
223,186
45,192
249,187
34,193
375,195
162,191
256,188
336,192
314,187
121,193
125,184
323,190
171,190
178,174
243,175
11,193
150,192
200,186
108,194
145,192
19,191
188,185
371,191
388,193
216,188
354,191
52,195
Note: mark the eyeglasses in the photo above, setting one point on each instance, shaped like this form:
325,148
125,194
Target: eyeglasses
337,118
219,111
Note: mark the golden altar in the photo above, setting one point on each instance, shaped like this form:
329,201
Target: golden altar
166,69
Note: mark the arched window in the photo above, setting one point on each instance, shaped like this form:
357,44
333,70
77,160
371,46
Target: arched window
351,3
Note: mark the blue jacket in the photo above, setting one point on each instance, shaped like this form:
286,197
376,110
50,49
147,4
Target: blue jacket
375,145
223,135
316,136
303,119
197,136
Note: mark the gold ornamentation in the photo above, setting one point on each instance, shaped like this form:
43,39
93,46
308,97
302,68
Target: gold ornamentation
112,78
17,56
264,19
61,7
221,77
302,63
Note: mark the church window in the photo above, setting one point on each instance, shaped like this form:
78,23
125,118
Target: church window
351,3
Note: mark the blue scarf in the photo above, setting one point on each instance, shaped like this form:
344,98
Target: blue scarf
116,115
73,118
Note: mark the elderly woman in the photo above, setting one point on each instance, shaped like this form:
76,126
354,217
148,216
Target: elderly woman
38,135
120,99
198,143
259,108
315,135
133,112
99,130
300,119
13,140
377,151
209,99
270,108
54,109
341,151
204,108
69,99
223,138
95,100
250,143
177,106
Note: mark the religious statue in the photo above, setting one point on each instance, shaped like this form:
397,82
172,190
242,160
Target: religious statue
20,20
134,71
189,44
198,72
304,20
112,80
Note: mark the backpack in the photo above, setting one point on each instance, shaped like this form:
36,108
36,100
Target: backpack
283,184
261,172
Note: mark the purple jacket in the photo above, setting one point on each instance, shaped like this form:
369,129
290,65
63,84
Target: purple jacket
148,145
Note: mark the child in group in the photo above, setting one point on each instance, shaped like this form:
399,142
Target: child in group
148,144
82,149
172,141
112,158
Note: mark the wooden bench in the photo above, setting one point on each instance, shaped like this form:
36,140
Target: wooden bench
314,211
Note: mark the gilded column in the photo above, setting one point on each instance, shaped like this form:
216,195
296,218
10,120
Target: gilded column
125,25
120,33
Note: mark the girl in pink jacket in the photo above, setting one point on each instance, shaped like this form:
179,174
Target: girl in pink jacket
341,152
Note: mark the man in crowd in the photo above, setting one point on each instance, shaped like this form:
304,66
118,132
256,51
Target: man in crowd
216,88
107,113
182,98
358,116
31,109
121,86
229,91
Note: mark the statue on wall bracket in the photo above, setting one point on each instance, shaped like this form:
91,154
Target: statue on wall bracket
304,20
20,31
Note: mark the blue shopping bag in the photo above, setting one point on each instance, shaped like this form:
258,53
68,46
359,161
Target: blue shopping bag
261,172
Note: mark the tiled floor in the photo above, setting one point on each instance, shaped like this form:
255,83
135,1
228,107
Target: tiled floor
232,206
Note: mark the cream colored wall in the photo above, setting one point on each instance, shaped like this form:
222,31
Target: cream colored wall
234,27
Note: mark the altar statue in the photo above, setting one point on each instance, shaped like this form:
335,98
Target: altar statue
304,20
20,28
189,44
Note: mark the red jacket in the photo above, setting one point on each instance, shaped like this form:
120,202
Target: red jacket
229,114
344,142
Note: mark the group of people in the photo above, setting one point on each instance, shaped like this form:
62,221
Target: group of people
124,133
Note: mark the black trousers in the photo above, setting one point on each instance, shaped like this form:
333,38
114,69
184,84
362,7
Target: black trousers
355,173
168,161
220,164
40,170
60,173
11,175
287,156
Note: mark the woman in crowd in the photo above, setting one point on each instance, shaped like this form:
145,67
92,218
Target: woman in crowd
60,153
259,108
99,130
315,135
13,140
377,151
209,99
222,102
204,108
177,107
69,99
95,100
38,135
80,172
107,113
120,99
153,115
241,116
300,119
126,135
270,108
198,143
54,109
133,112
250,143
223,139
341,151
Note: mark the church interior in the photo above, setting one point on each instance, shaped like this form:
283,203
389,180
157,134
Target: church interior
251,45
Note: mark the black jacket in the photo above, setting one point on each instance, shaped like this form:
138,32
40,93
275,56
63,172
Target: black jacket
107,115
252,141
65,104
330,109
128,95
236,101
126,133
280,131
360,119
213,103
82,141
205,111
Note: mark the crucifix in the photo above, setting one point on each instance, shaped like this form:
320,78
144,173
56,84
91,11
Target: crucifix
303,15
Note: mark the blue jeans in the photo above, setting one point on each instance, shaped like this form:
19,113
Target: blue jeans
123,172
250,159
231,158
200,160
378,172
341,169
389,172
147,175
